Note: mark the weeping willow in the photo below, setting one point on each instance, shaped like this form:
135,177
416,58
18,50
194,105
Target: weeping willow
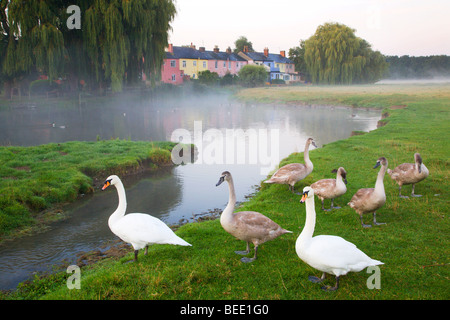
118,39
131,38
334,55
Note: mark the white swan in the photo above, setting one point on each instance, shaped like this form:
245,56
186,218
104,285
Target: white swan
293,172
139,229
249,226
329,254
409,173
331,188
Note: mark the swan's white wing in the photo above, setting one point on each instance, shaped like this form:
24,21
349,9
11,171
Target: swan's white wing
336,255
141,229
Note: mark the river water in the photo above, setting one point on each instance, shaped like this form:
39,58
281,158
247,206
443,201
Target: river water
246,139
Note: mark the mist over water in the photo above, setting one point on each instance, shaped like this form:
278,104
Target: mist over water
174,194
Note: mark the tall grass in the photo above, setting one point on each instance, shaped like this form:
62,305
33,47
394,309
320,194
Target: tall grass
414,244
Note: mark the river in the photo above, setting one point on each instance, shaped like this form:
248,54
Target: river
266,133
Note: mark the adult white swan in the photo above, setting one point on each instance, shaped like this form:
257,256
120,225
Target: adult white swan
249,226
329,254
139,229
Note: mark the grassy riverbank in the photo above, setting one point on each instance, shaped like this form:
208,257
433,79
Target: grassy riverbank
36,181
414,244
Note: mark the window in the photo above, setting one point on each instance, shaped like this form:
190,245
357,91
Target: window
229,64
204,64
215,64
184,63
172,63
173,77
224,64
195,63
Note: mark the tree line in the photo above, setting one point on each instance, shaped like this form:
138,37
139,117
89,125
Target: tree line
406,67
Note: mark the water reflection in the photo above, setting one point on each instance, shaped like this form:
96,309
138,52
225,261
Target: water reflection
173,194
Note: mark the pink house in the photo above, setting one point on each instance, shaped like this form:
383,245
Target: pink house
224,62
170,71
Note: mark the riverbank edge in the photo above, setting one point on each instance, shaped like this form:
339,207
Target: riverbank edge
158,158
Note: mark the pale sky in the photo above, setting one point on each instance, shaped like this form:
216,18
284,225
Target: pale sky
394,27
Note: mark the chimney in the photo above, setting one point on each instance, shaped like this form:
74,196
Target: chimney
229,50
246,49
216,49
266,51
171,48
283,54
201,49
192,46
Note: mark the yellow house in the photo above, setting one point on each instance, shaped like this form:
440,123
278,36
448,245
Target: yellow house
191,62
192,67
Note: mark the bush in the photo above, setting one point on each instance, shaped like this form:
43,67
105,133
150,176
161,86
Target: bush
207,77
253,75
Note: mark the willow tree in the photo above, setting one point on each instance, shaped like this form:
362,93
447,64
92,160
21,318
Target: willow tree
334,55
33,39
124,38
118,39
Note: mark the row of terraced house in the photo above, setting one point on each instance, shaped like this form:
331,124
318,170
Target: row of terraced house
184,63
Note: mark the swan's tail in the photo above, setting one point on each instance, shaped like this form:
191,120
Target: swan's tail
375,262
178,241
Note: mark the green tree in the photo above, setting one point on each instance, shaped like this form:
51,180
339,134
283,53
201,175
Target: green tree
207,77
241,43
334,55
118,39
297,55
252,75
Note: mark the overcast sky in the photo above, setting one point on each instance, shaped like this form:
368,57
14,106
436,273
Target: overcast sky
394,27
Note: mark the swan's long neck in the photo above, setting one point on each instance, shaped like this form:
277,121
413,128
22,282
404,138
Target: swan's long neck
310,223
379,185
228,211
122,207
308,162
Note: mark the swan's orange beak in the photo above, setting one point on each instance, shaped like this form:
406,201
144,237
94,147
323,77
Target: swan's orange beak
304,196
106,185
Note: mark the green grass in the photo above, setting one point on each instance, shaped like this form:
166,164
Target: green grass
33,180
414,244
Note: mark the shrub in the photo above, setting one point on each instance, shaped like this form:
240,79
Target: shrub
253,75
